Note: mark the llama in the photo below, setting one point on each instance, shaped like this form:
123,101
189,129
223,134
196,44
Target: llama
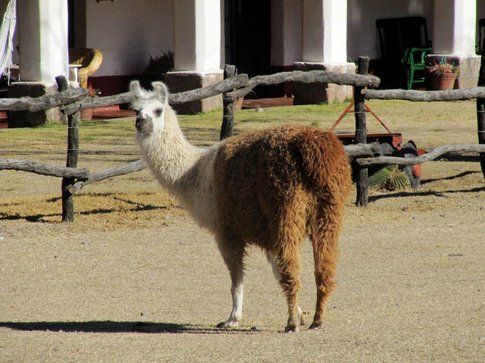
269,188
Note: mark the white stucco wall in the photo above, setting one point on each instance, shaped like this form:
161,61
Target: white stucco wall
128,32
362,15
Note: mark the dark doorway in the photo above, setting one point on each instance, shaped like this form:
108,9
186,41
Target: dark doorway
76,23
248,35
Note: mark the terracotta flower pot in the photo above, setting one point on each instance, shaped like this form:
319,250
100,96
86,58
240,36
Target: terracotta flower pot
238,104
87,114
443,82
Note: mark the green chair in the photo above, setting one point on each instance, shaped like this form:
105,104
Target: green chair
414,61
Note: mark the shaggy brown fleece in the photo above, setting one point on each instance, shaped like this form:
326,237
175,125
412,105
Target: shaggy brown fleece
275,186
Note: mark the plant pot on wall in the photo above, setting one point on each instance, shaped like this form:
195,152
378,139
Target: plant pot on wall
87,114
443,82
442,73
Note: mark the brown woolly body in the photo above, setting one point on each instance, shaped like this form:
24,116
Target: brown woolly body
273,188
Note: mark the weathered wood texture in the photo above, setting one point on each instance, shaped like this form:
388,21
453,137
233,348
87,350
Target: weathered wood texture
439,151
361,150
362,174
481,114
174,98
73,121
357,80
43,169
412,95
42,103
223,86
227,106
108,173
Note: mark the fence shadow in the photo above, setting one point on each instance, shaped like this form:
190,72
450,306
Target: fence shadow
424,194
121,327
138,207
451,177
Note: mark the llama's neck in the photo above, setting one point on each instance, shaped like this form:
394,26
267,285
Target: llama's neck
167,152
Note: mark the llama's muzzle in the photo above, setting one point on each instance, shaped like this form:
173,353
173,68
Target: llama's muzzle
142,124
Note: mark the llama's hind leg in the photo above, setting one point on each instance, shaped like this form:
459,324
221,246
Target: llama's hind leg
324,237
288,263
270,256
233,256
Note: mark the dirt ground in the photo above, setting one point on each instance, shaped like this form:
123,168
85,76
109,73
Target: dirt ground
134,279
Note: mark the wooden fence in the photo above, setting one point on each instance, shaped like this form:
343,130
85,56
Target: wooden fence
71,101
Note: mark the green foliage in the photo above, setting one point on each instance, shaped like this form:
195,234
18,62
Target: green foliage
159,66
389,178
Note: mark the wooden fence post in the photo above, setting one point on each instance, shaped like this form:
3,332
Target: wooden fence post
362,177
227,106
72,156
481,114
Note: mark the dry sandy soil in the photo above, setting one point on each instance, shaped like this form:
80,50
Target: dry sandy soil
134,279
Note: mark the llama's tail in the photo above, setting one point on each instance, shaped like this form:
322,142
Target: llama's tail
324,160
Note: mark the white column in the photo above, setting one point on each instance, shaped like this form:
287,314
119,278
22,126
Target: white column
43,45
334,31
455,27
197,26
325,31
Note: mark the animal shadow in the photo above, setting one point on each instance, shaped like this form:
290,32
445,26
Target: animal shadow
119,327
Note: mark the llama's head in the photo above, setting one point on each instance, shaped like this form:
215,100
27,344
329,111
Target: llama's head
150,107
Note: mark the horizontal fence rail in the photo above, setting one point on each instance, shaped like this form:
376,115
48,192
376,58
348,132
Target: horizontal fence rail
431,155
363,153
44,169
347,79
426,96
43,103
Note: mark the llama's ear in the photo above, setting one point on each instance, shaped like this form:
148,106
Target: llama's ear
135,87
161,91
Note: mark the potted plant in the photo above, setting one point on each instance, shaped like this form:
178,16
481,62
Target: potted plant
87,113
442,74
157,68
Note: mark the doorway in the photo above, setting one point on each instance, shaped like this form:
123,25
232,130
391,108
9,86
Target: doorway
247,25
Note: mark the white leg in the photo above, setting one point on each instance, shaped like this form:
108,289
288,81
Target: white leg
237,290
272,260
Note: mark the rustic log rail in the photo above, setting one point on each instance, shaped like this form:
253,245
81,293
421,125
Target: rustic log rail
43,103
362,153
431,155
107,174
348,79
225,85
44,169
425,96
85,177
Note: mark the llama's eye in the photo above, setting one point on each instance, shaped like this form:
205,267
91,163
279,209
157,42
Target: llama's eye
158,112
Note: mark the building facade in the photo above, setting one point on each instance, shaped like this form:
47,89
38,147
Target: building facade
259,36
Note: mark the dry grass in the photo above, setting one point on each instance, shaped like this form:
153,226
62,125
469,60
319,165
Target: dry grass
134,279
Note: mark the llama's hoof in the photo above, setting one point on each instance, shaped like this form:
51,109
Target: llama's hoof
292,329
302,320
316,326
228,324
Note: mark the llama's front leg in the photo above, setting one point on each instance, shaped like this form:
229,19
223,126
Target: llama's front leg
237,303
233,257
